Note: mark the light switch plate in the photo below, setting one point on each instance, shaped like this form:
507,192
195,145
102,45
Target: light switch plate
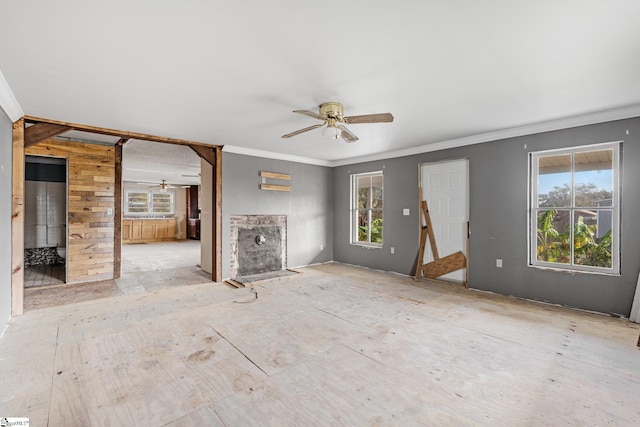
405,212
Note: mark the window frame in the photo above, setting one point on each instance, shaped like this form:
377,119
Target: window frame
354,209
149,203
615,209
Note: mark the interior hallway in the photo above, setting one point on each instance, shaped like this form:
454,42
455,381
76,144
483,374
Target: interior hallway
336,345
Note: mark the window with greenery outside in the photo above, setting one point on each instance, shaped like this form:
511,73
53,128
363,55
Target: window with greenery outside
576,208
367,208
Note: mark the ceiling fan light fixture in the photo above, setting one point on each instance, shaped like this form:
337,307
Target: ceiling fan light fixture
333,121
331,132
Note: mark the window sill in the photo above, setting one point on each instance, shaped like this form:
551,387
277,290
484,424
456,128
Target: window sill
575,272
365,246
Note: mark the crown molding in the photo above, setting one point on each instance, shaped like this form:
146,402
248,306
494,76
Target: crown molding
8,101
276,156
547,126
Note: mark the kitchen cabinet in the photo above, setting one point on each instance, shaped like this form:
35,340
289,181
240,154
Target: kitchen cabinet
147,230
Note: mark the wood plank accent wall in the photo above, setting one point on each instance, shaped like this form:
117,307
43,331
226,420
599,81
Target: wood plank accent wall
91,207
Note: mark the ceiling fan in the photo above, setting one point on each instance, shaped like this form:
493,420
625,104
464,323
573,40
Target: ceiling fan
334,121
163,185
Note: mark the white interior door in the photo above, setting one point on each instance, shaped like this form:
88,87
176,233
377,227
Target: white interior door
445,187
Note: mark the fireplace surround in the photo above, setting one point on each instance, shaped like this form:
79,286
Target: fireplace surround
258,244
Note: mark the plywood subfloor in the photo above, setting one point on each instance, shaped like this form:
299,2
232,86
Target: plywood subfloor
337,346
160,256
36,298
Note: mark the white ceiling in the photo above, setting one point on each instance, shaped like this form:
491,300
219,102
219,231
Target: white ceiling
152,162
230,73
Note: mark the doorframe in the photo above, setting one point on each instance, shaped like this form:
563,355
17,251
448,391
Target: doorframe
468,196
66,201
43,129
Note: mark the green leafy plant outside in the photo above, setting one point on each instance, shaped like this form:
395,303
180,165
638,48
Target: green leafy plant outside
554,246
376,232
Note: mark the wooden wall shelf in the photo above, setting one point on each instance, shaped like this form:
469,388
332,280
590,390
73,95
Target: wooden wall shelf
272,187
274,175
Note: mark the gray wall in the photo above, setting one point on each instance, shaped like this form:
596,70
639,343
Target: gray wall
5,218
308,206
498,217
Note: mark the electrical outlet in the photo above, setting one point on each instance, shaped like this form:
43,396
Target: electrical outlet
393,250
498,263
109,211
405,212
321,247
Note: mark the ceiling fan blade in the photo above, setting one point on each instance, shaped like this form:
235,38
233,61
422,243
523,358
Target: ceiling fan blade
347,135
309,113
297,132
370,118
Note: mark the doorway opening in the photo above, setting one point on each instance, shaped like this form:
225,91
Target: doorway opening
160,217
45,221
82,267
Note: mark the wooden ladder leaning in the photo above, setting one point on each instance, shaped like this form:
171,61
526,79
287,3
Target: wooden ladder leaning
439,266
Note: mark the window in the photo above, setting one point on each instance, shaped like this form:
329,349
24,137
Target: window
162,203
149,203
574,216
137,202
366,209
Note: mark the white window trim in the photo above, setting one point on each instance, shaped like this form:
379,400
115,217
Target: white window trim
532,207
353,230
150,212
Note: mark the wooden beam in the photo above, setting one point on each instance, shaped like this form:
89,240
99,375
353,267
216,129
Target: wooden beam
41,131
217,215
423,244
17,221
444,265
429,229
213,156
466,279
114,132
117,211
206,153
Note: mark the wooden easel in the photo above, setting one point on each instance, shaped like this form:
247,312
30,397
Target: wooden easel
439,266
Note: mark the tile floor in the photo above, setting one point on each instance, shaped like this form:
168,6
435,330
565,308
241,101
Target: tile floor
44,275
